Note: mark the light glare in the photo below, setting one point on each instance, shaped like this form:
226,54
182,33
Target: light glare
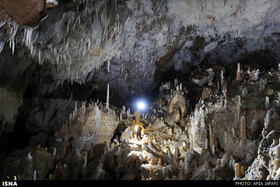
141,105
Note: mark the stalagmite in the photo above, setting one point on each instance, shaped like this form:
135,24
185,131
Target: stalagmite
176,151
142,132
212,140
242,171
34,175
206,143
276,165
128,112
54,152
108,66
176,83
238,73
169,154
225,91
266,102
277,154
206,165
29,156
85,159
227,156
243,130
278,100
176,116
213,149
100,175
121,116
269,177
225,104
222,80
170,132
237,170
107,98
218,165
2,44
275,142
238,107
181,175
186,156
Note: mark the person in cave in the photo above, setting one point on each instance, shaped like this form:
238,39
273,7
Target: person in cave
118,132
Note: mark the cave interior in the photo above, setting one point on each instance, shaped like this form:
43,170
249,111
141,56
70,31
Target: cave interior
139,90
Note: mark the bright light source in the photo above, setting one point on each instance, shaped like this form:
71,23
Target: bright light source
141,105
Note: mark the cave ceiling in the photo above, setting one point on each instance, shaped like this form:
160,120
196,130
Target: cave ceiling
134,45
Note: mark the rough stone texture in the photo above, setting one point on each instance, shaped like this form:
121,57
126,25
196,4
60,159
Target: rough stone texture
26,12
142,41
11,103
14,75
23,163
264,166
228,137
88,125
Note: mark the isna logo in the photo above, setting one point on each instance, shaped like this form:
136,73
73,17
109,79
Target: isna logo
9,183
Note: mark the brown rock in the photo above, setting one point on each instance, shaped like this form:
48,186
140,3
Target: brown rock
24,12
176,115
206,93
50,5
